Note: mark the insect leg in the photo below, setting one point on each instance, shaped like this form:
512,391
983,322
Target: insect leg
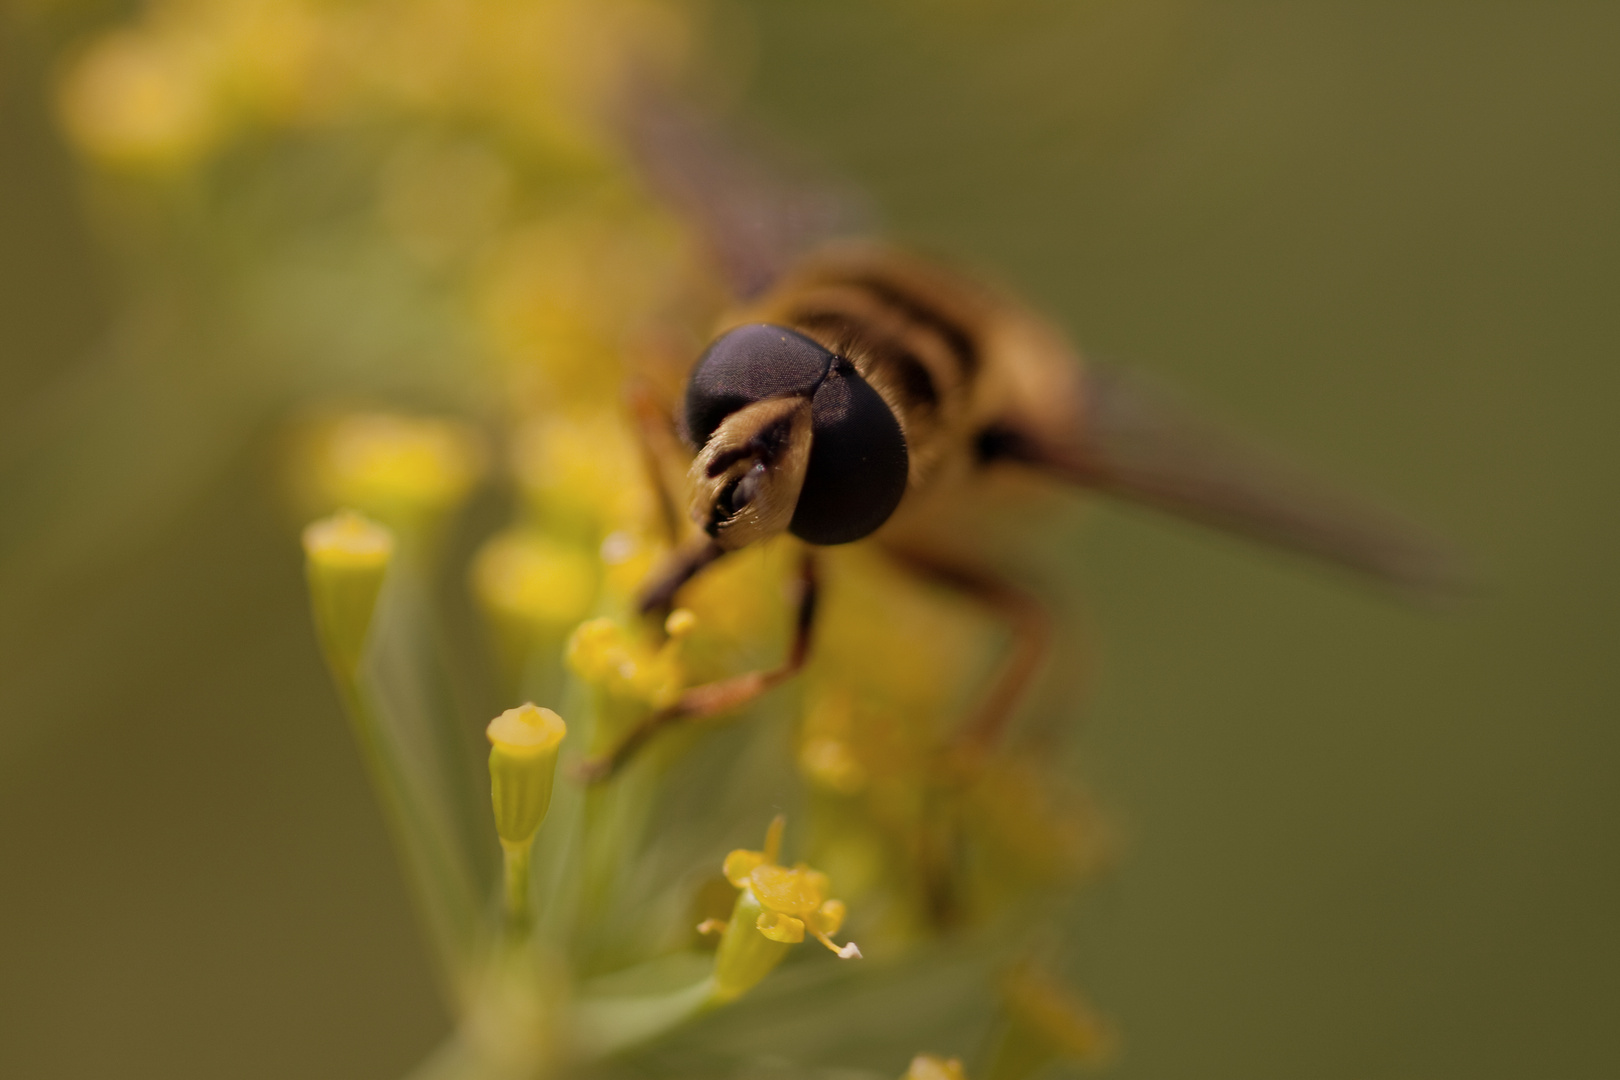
688,560
723,695
1024,615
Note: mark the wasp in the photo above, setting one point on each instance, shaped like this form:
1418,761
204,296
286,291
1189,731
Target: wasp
865,394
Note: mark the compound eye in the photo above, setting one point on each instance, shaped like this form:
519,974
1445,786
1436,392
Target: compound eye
749,364
858,463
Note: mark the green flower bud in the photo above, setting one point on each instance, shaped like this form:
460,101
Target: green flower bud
522,769
345,559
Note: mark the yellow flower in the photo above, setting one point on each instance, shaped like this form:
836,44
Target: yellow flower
775,906
581,472
523,744
794,898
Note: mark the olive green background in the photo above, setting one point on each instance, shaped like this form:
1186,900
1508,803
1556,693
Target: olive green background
1362,840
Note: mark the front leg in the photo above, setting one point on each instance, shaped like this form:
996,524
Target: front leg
723,695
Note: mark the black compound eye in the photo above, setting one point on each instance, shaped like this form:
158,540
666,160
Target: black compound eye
858,463
749,364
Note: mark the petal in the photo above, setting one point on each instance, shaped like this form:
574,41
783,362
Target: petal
739,864
784,890
815,881
828,918
778,927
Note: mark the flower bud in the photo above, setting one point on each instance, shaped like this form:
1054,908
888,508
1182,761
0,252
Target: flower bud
522,769
345,559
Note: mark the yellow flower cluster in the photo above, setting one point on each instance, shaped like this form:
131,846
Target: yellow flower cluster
189,74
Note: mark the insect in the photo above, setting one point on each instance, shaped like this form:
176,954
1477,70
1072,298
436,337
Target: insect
868,395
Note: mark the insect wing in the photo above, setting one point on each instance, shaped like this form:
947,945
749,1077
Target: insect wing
1135,442
756,217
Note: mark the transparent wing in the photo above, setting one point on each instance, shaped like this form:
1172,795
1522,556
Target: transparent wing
1135,442
757,207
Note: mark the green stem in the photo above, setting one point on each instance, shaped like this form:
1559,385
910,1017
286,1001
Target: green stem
447,900
518,913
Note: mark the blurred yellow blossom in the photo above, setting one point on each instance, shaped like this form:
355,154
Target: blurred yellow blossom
533,589
581,473
524,576
405,470
345,559
140,99
933,1067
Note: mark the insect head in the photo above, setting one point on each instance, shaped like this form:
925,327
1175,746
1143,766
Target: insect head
790,437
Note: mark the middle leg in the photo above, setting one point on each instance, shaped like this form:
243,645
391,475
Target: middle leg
1031,627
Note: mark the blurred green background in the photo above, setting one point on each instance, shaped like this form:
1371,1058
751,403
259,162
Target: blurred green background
1363,841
